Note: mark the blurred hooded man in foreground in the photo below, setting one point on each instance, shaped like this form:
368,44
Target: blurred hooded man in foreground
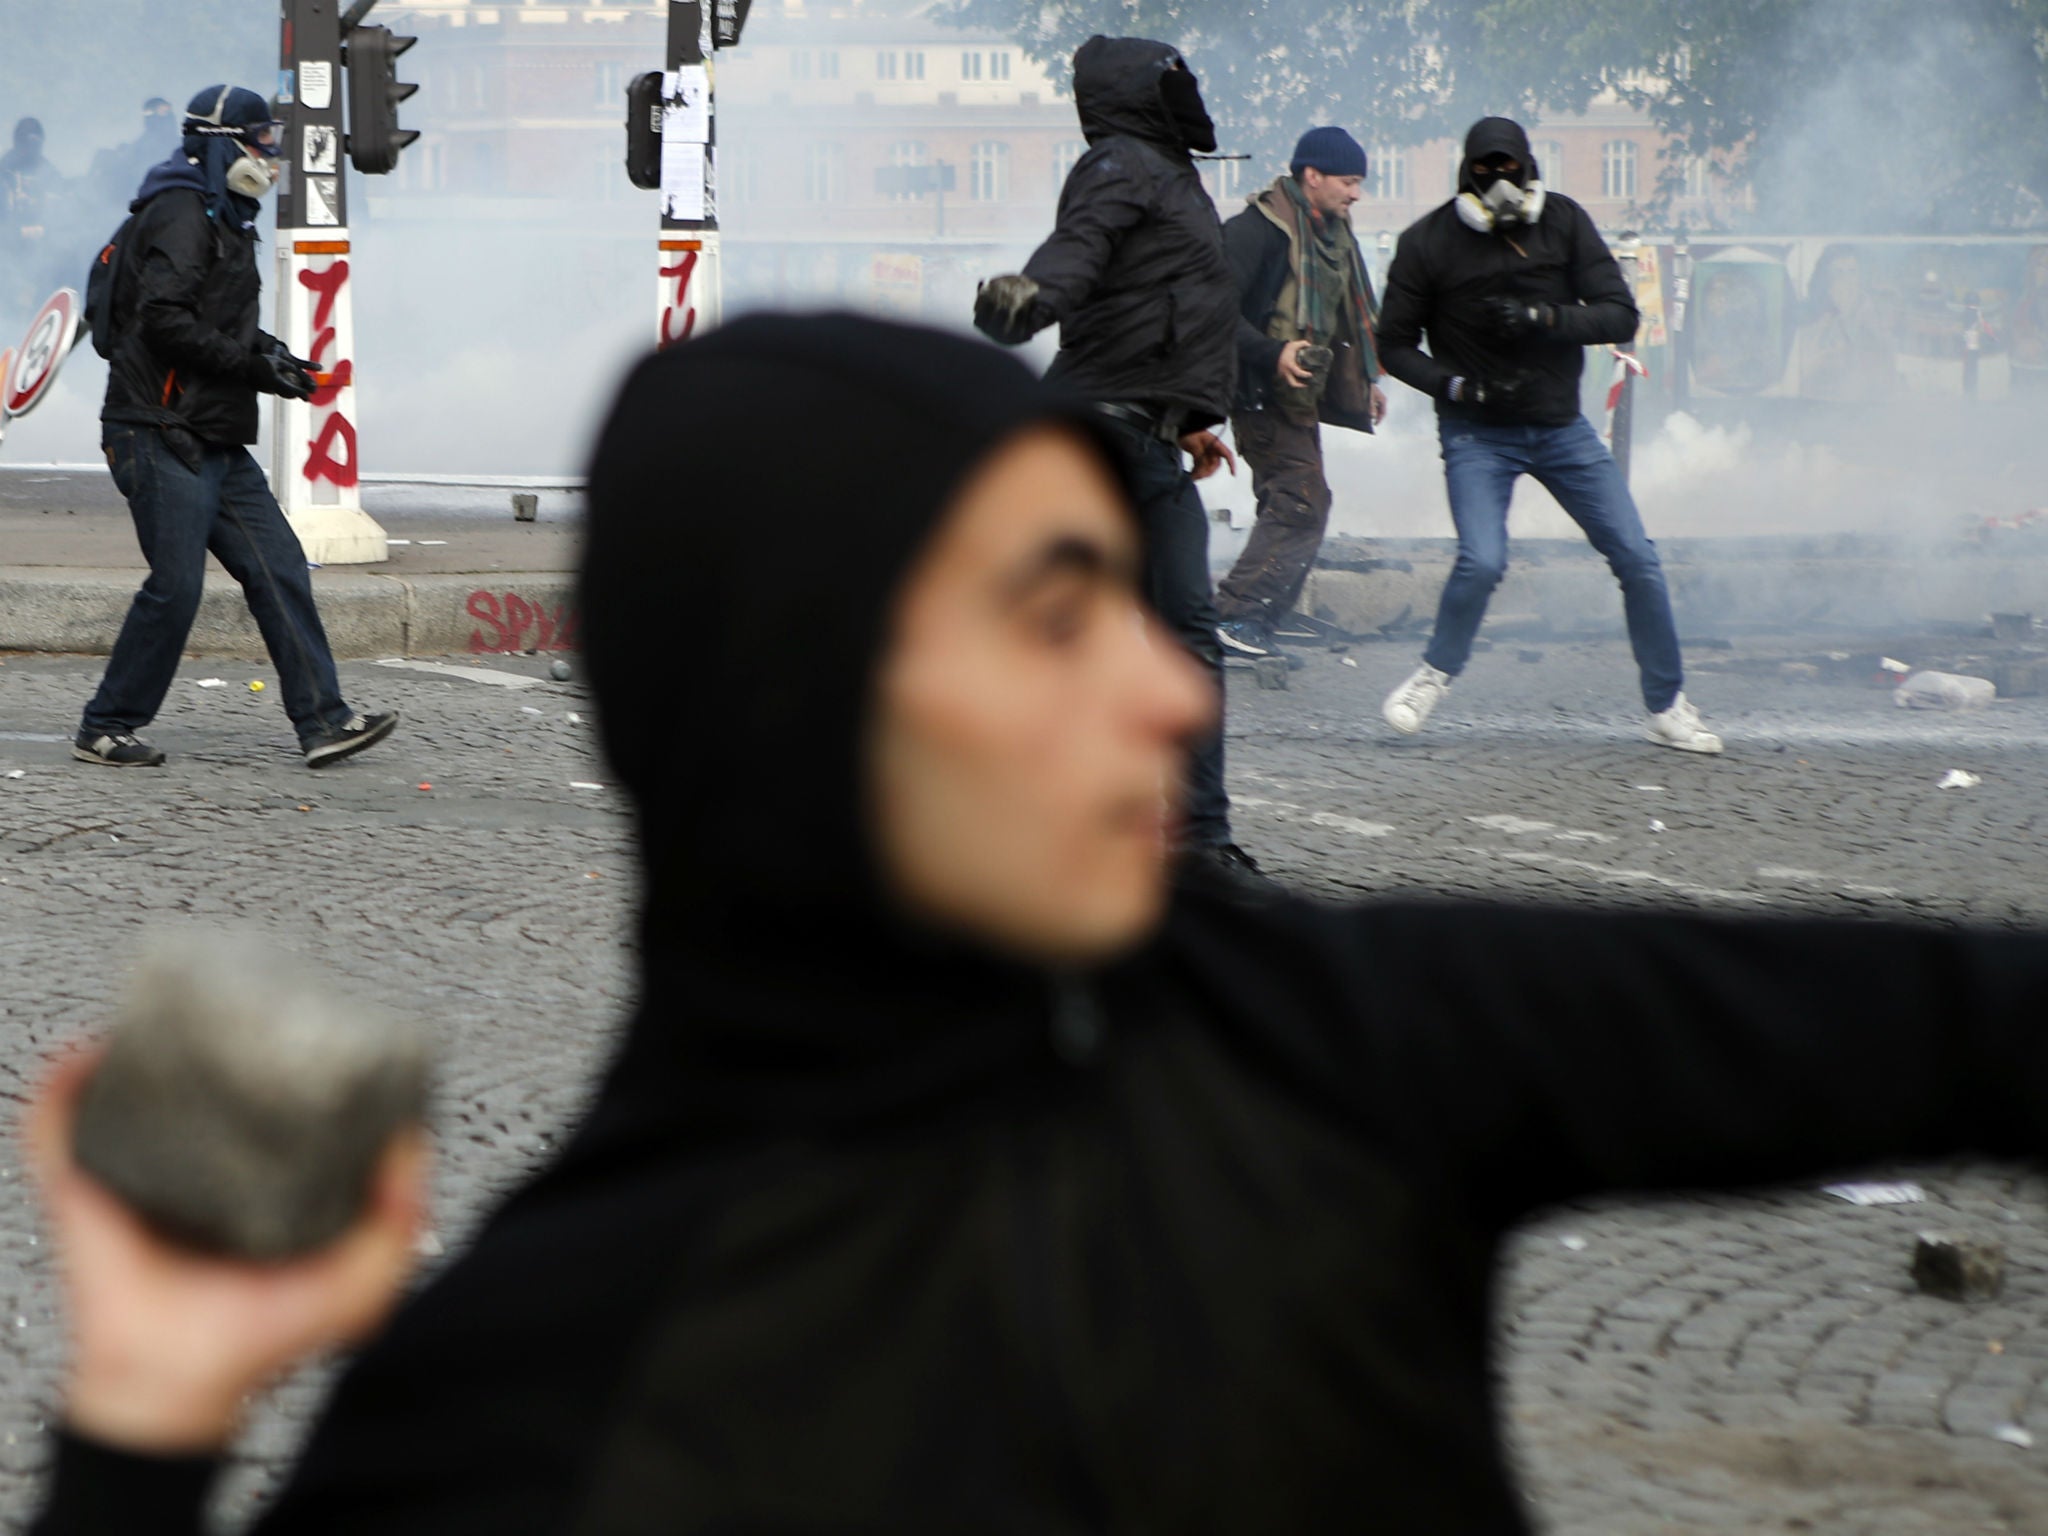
1512,283
958,1171
1135,276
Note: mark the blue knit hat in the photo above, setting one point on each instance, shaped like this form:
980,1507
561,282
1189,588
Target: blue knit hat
1329,150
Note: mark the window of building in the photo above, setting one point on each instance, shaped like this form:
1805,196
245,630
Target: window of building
970,66
800,64
828,64
999,65
913,64
885,66
907,153
1224,179
1389,174
825,172
1065,155
1550,161
1618,170
988,177
611,82
1699,177
478,85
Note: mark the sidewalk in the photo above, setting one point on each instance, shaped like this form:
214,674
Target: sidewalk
463,575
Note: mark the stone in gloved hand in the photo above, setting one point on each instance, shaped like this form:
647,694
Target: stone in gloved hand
241,1108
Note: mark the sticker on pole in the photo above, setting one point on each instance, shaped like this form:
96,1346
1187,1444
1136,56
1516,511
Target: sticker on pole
43,351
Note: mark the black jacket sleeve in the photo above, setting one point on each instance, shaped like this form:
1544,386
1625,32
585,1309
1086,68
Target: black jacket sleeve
174,266
1107,194
96,1490
1538,1056
1405,312
1249,240
1606,313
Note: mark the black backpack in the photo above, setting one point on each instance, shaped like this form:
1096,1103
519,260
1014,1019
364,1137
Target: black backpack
99,288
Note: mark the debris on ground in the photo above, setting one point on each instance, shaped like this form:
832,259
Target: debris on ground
212,682
1957,1267
2012,1434
559,670
1956,778
1348,661
1944,690
1904,1192
1527,654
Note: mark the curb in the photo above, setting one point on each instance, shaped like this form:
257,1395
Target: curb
365,615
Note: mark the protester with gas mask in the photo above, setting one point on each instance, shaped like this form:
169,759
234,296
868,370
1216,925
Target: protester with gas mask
186,363
117,170
30,191
1511,282
1135,276
1302,285
960,1170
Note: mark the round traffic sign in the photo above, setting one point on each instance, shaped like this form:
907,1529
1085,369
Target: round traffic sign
43,351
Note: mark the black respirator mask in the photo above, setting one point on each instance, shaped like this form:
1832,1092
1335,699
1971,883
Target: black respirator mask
1182,93
1499,199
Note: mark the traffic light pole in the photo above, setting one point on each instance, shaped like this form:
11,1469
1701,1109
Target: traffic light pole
690,293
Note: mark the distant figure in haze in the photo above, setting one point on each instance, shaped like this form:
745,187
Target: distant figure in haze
118,171
31,194
961,1173
1846,348
1511,282
188,361
1301,284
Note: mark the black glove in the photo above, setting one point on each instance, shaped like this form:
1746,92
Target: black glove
1501,393
279,373
1005,309
1512,319
278,349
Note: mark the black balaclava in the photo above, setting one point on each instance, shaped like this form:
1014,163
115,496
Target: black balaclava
756,500
27,152
219,122
1141,89
1496,136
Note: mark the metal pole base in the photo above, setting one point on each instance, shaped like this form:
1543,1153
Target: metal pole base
339,535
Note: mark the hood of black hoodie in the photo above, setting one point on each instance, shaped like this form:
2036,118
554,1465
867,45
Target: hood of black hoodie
756,501
1117,94
1496,136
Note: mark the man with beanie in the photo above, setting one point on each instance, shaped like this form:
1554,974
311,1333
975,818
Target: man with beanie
1512,282
186,365
1303,290
1135,276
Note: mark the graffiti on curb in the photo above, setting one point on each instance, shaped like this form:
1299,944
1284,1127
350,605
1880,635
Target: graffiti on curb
519,624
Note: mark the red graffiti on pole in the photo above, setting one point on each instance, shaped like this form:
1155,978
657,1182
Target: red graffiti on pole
331,454
681,273
512,617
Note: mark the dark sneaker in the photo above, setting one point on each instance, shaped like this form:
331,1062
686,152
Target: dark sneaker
1241,638
1227,867
117,749
346,741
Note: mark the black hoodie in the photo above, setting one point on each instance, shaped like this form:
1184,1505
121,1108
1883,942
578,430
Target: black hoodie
1134,270
1443,272
870,1230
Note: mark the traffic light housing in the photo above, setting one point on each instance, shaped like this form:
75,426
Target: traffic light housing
643,130
374,92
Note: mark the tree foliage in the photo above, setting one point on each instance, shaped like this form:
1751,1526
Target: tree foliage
1870,115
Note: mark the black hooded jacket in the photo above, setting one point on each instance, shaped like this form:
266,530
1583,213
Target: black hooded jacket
1443,271
1134,270
873,1230
186,306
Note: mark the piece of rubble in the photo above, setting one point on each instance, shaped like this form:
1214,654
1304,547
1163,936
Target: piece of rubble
1944,690
1956,778
1904,1192
242,1108
1958,1267
1271,671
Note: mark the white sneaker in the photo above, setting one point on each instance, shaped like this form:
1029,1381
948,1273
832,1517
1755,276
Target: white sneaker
1679,727
1409,705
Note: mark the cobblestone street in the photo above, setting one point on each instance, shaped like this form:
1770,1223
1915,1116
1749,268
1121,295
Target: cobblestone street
1753,1363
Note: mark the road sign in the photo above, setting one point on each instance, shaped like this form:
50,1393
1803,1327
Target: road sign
43,351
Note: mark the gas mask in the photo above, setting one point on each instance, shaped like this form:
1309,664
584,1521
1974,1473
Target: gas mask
252,175
1499,202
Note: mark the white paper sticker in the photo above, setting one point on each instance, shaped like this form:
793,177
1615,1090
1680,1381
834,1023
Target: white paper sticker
323,196
316,83
686,105
682,180
322,145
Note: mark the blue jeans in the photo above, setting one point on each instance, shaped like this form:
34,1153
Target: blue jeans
1481,464
180,513
1175,529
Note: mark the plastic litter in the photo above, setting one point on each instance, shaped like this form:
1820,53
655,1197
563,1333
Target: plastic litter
579,784
1575,1243
211,682
2012,1434
16,773
1943,690
1347,661
528,709
256,686
1955,778
1885,663
573,718
1656,825
1905,1193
